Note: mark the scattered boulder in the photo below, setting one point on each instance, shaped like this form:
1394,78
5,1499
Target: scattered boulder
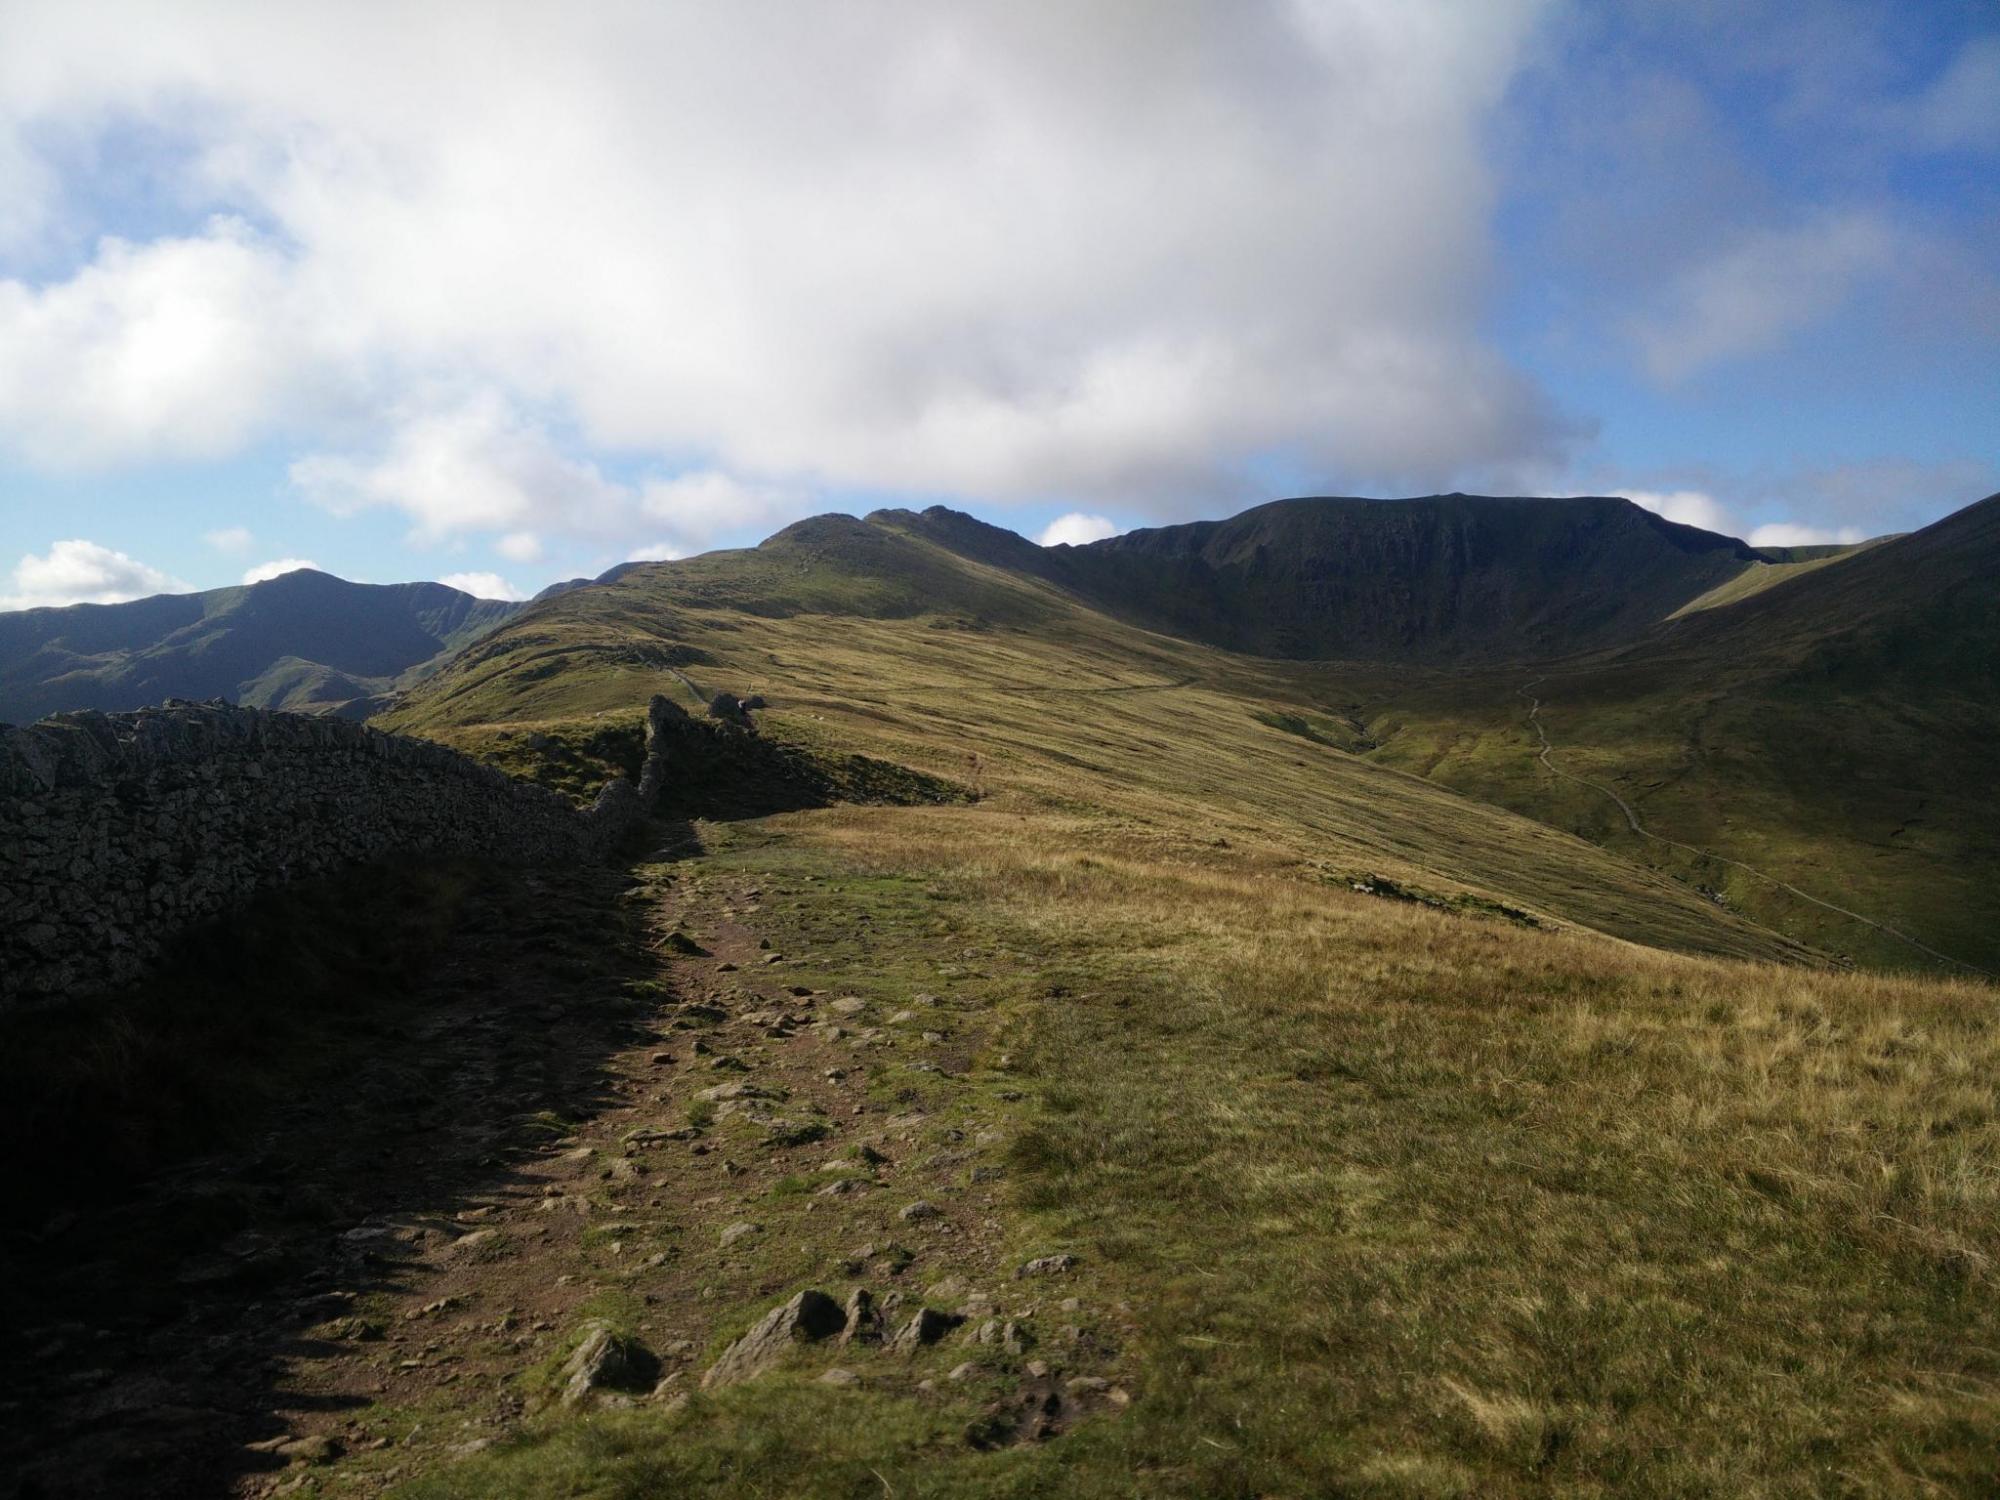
926,1326
315,1448
741,1230
808,1317
611,1361
839,1376
1047,1265
1010,1336
480,1241
640,1138
864,1322
920,1211
739,1090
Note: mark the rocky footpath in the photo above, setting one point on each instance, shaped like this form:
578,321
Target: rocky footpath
633,1179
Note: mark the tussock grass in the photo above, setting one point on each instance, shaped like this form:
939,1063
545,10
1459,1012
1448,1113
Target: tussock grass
1413,1203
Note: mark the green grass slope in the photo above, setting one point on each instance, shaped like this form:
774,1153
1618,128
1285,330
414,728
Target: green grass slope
304,640
1384,1159
869,639
1776,567
1833,730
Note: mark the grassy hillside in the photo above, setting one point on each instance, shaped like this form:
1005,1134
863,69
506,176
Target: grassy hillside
876,641
1765,573
1833,730
1360,1196
889,630
304,641
1279,1123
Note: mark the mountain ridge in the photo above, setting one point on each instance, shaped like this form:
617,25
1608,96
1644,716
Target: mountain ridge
304,640
1439,578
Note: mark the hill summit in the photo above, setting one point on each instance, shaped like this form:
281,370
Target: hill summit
304,640
1440,578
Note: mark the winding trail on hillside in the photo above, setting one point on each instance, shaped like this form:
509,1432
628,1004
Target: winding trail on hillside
1632,821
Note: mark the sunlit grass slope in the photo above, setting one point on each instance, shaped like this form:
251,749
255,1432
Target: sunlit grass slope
1370,1196
1758,576
1371,1199
865,639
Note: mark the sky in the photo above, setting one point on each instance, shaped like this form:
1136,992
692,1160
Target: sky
503,293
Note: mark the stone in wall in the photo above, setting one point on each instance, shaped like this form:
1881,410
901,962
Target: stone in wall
118,831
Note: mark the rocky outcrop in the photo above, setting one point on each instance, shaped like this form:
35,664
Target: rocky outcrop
118,831
807,1318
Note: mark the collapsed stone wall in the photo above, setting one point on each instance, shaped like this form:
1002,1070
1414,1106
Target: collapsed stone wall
118,831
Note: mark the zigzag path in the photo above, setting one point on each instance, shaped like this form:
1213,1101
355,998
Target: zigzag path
1632,821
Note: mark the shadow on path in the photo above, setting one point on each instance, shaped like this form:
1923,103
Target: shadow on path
309,1102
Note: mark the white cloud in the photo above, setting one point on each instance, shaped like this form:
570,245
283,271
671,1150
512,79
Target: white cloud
520,546
1753,294
81,572
1789,534
1961,110
1002,251
698,506
277,568
1699,508
182,348
655,552
1688,507
230,539
1076,528
475,464
482,585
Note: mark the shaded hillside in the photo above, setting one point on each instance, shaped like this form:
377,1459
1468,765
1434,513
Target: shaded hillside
1443,578
1834,728
305,641
1914,611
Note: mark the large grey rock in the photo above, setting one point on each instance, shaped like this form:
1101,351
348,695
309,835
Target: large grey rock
808,1317
926,1326
863,1320
609,1361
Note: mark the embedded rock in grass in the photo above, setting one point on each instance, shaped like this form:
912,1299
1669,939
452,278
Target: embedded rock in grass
926,1326
608,1361
741,1230
722,1091
808,1317
641,1137
918,1212
864,1322
1047,1265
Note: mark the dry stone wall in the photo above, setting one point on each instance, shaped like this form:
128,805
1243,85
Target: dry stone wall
118,831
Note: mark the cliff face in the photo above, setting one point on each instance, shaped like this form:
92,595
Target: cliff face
1446,578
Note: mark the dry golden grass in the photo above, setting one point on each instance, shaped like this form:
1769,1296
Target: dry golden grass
1415,1203
1403,1201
